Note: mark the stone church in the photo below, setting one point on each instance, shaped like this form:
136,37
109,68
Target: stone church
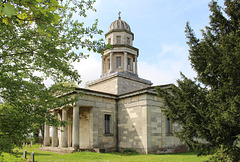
119,110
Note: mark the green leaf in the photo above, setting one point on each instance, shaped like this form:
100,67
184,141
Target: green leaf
5,20
54,2
56,18
22,16
9,10
1,7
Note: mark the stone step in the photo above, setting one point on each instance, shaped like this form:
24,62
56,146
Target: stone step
58,150
68,150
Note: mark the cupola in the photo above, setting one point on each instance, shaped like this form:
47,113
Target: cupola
119,63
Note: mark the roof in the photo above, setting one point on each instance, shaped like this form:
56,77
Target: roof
113,96
119,24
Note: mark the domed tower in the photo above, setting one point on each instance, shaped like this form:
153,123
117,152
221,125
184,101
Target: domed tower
119,64
123,56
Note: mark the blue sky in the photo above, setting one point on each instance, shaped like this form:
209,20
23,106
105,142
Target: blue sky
158,27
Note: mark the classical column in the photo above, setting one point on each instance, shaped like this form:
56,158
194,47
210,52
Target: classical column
75,143
125,61
60,130
102,65
70,133
64,134
135,65
54,135
46,135
111,62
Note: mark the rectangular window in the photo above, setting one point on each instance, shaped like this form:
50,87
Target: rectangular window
169,126
128,40
109,40
118,39
129,63
118,62
108,63
107,123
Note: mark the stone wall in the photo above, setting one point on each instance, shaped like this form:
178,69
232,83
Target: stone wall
108,86
118,84
95,108
123,36
133,124
85,127
142,125
126,85
159,141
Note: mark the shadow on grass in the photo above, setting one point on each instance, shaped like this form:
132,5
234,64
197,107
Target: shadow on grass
135,154
181,153
20,154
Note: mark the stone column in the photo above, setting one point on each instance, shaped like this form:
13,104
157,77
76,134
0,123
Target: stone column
54,135
64,133
111,62
135,65
46,135
60,130
125,61
102,65
70,133
75,127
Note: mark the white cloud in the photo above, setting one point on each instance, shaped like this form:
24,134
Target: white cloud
89,69
163,68
97,3
166,66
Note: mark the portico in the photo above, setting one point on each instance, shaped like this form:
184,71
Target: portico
76,133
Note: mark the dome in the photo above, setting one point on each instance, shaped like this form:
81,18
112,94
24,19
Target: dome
119,24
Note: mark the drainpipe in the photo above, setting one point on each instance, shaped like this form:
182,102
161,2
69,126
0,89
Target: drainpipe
117,141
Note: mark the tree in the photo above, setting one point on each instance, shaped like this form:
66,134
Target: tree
208,107
39,39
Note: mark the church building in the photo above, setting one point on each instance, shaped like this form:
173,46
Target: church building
119,110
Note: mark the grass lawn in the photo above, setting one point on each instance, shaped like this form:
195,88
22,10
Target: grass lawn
89,156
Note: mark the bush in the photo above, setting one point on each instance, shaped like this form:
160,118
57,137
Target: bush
220,155
129,151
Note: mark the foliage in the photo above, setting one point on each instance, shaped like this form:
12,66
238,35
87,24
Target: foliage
39,39
130,151
220,155
92,156
208,107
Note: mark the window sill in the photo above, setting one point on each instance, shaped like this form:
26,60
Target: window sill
109,134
